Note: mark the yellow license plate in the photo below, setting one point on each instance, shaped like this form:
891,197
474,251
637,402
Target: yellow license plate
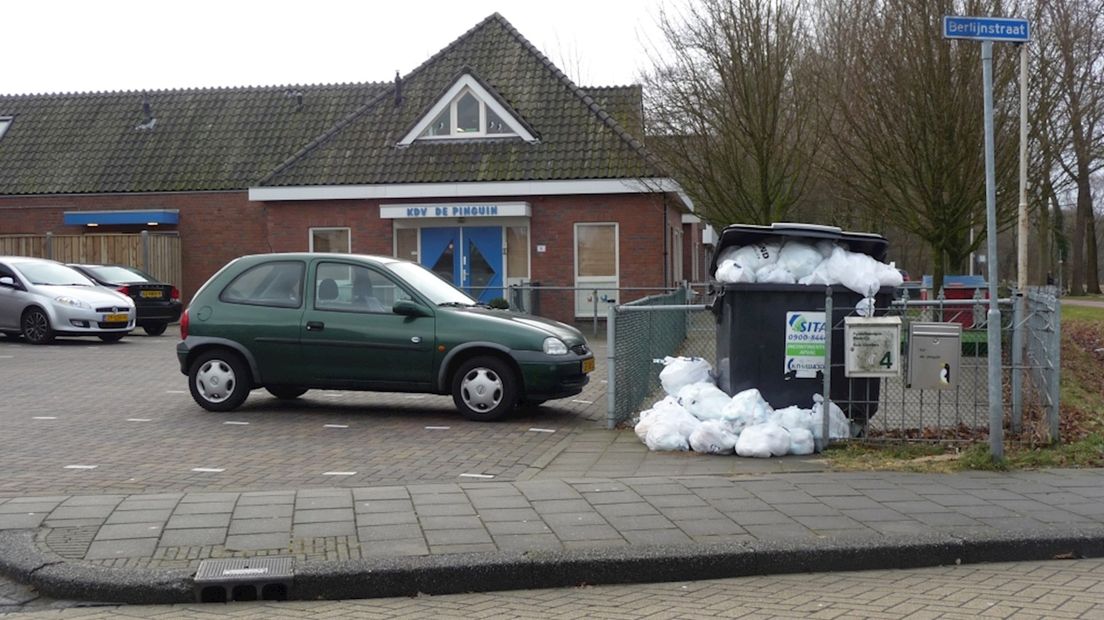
588,365
151,294
116,318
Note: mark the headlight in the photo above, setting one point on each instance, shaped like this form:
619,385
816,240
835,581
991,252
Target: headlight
72,301
554,346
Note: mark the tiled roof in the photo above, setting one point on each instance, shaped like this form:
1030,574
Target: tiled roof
578,138
203,139
235,138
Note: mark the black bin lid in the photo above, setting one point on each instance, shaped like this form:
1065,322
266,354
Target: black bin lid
739,235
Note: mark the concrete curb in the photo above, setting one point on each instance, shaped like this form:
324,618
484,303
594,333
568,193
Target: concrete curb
481,572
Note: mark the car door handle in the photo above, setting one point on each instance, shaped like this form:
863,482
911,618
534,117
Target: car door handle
315,326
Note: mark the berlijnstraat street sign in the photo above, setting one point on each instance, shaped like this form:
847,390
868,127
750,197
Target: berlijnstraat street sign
1009,29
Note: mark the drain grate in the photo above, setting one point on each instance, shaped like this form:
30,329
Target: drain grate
243,579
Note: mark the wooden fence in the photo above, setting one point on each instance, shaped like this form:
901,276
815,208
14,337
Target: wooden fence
155,253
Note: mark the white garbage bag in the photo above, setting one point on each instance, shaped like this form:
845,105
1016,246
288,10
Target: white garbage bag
775,273
793,417
757,255
763,441
713,437
703,400
731,272
839,427
748,408
801,441
666,436
681,371
799,258
865,307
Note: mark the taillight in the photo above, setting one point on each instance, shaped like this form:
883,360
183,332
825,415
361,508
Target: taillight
184,324
175,294
125,290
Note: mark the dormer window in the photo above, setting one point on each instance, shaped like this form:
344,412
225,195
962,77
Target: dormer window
5,122
467,111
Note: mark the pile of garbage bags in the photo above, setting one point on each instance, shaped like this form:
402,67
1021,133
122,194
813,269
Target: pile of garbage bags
799,262
697,415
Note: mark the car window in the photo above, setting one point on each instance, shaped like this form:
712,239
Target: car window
354,288
430,284
113,273
52,274
278,283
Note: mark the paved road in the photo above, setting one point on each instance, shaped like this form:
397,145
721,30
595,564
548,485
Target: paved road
1057,589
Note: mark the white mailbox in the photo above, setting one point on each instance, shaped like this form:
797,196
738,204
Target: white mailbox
872,346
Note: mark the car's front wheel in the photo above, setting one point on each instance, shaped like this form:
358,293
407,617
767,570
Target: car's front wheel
484,389
154,329
286,392
36,327
219,380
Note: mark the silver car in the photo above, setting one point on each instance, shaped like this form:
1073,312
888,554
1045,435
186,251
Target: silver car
41,299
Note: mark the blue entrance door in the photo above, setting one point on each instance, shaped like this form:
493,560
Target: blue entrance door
470,257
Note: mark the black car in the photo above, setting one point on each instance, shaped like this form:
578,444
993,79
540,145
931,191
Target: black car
157,303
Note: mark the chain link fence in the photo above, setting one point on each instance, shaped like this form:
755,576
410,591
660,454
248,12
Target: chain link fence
884,409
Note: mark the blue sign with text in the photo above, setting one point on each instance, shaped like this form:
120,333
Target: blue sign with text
986,29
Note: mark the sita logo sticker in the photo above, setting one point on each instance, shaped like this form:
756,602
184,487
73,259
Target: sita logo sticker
799,324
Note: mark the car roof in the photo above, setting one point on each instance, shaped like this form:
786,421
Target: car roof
27,259
375,258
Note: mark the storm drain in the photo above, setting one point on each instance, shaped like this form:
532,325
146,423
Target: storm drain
243,579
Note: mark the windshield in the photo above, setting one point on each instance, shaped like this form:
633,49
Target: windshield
113,273
430,284
52,274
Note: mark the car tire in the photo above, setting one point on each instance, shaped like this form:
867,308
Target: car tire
484,389
36,327
154,329
219,380
286,392
111,337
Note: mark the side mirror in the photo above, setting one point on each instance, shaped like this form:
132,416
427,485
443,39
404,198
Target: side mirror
7,281
405,307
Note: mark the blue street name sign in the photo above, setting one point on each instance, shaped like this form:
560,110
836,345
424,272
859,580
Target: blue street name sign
986,29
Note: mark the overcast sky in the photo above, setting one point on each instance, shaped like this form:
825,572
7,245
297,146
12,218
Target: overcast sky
103,45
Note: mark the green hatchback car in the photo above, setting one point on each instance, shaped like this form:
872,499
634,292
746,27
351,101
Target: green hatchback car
293,322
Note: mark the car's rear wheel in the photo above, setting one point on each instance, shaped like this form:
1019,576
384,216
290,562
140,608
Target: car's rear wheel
36,327
111,337
484,389
286,392
154,329
219,380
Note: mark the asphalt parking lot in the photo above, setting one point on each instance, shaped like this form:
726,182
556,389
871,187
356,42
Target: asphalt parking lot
81,416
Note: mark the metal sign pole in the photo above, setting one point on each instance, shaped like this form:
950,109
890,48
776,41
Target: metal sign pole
996,409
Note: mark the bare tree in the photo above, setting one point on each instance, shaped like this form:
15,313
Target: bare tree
905,120
727,109
1071,54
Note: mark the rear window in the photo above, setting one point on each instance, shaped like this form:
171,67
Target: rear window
278,284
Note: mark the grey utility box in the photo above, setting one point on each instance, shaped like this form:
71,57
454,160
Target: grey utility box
934,353
872,346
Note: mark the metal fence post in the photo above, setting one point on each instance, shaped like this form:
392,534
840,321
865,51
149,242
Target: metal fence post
611,368
1054,361
595,312
1018,315
826,405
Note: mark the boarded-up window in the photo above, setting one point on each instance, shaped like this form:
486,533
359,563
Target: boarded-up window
329,240
517,251
596,249
406,244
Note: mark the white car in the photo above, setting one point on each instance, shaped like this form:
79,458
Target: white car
41,299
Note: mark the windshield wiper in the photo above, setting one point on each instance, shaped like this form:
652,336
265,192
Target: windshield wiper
454,304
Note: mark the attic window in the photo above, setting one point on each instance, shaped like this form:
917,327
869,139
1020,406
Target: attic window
467,111
5,122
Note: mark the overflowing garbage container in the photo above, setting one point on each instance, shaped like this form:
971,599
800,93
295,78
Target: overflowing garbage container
770,311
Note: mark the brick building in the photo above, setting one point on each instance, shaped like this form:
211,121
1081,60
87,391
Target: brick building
485,163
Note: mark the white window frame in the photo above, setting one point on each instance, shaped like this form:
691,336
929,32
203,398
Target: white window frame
466,84
348,236
581,282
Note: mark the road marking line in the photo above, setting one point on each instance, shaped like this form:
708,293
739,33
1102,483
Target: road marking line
605,380
176,391
208,470
6,357
81,466
232,423
335,426
542,430
585,402
44,417
476,476
339,473
139,420
438,428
